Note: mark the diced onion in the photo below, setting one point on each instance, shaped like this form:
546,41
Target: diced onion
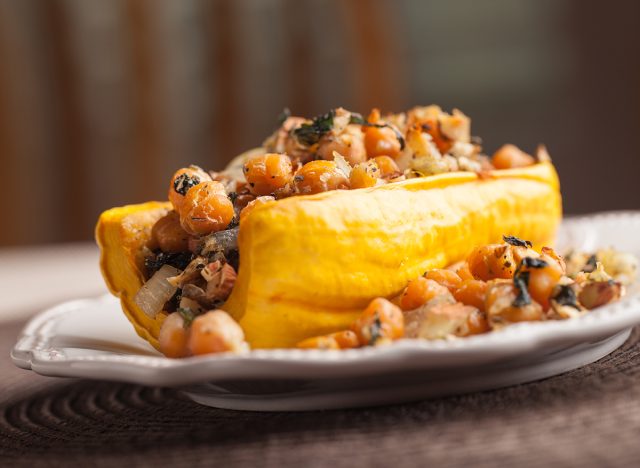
157,291
342,164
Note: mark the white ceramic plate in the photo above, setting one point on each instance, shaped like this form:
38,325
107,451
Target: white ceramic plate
91,338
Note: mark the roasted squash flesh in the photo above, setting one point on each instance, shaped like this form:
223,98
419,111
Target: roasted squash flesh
310,264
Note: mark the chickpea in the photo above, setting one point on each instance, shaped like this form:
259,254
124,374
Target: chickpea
364,175
206,209
420,291
477,323
447,278
319,342
349,143
543,280
388,167
182,181
497,260
319,176
492,261
380,322
173,336
254,204
500,308
462,270
381,141
215,332
432,127
471,292
510,156
268,173
550,256
167,233
345,339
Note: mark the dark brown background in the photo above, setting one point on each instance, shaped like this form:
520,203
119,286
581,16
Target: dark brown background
100,101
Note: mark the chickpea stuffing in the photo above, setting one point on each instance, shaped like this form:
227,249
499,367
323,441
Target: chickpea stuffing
195,256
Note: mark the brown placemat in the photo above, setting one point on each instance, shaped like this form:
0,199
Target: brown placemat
588,417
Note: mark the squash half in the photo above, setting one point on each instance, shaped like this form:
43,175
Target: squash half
310,264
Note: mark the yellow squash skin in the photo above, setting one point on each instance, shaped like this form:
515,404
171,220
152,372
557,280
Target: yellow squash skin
310,264
121,233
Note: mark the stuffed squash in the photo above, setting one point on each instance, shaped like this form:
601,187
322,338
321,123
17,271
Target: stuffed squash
295,239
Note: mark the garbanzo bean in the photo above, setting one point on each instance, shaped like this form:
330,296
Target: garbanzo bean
349,143
388,167
168,234
267,173
380,141
462,270
215,332
477,323
447,278
549,255
500,308
542,280
345,339
173,336
510,156
380,322
492,261
432,127
471,292
319,176
420,291
183,179
319,342
206,208
365,174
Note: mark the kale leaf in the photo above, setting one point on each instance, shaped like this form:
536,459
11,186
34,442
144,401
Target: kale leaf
566,296
184,182
521,279
516,242
310,134
178,260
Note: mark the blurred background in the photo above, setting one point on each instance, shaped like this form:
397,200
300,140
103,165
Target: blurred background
100,101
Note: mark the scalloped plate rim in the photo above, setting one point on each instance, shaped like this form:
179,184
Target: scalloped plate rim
33,349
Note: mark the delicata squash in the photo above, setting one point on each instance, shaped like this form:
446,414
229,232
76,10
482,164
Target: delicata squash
329,214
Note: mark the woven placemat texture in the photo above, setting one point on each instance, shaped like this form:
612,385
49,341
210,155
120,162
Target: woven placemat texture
588,417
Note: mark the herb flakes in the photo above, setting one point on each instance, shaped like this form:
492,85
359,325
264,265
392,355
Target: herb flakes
178,260
566,296
376,330
521,279
531,262
310,133
184,182
516,242
521,282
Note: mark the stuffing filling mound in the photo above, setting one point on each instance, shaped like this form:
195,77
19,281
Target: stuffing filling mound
192,259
